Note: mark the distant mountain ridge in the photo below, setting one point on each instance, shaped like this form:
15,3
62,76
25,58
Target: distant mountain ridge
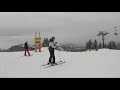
19,47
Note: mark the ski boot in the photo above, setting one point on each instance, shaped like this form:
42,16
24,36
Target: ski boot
54,63
49,63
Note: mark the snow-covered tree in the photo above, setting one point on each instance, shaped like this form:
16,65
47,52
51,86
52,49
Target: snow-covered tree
45,42
112,45
95,45
100,45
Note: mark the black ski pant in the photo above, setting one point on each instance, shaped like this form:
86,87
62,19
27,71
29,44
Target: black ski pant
52,56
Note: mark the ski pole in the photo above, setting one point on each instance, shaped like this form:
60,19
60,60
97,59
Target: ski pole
59,56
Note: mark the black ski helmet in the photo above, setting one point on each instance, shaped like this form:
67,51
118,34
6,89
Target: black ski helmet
53,38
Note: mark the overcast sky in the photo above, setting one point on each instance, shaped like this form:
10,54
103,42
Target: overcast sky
18,27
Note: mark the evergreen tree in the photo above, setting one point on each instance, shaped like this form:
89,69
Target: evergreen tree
112,45
109,45
105,46
45,42
100,45
118,46
95,45
90,45
87,47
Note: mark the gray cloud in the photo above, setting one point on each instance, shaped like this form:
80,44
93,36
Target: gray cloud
65,26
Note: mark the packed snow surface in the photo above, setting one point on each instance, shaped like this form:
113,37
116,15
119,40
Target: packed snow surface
103,63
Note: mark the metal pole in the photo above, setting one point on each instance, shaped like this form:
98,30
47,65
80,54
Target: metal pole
39,34
35,34
59,56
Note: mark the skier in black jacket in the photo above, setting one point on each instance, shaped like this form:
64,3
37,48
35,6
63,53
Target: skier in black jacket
26,48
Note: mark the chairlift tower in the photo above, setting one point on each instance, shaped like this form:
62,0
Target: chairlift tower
103,34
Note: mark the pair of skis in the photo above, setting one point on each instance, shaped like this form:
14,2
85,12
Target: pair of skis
50,65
